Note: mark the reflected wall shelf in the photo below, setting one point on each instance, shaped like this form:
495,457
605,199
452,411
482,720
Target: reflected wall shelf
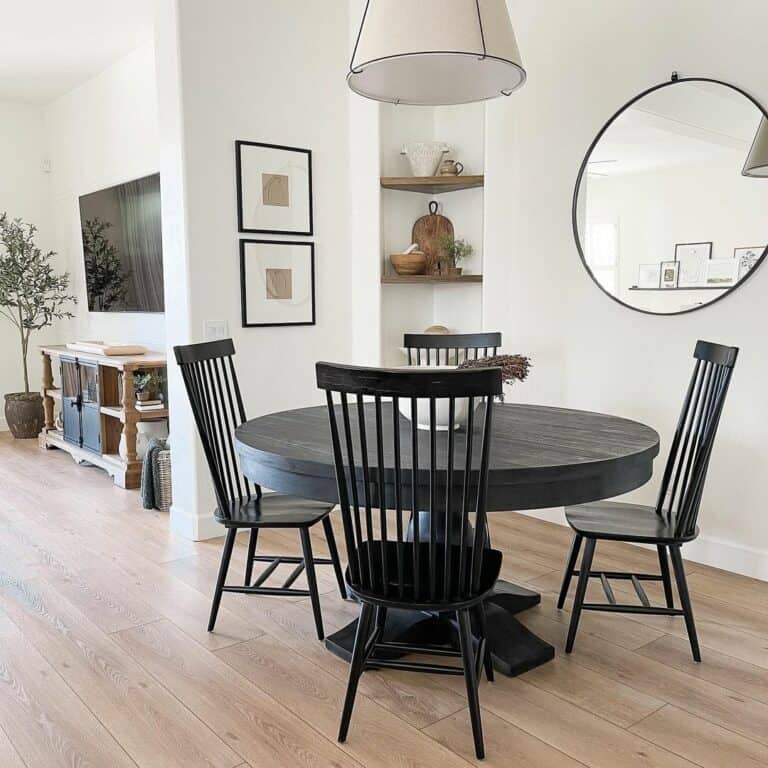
693,288
429,279
432,185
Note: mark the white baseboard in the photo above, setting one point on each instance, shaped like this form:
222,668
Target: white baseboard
193,527
707,550
3,424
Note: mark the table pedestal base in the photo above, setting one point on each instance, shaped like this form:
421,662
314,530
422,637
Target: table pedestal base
513,647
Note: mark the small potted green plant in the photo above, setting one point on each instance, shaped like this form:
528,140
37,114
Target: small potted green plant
32,297
453,251
148,384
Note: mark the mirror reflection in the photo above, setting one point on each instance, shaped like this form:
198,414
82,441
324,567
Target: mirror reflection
665,219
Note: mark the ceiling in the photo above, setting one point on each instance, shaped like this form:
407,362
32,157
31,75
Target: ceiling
690,123
49,47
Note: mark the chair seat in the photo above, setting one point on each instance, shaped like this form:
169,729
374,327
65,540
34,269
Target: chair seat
273,510
623,522
489,574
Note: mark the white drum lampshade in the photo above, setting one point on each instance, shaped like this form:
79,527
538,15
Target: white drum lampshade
757,161
433,52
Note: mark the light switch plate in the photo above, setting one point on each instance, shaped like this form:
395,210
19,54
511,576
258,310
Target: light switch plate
215,330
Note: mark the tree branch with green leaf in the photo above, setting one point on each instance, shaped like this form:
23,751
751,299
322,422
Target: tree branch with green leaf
105,277
32,295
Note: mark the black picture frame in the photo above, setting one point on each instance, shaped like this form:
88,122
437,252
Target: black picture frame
239,145
676,268
244,242
682,245
583,170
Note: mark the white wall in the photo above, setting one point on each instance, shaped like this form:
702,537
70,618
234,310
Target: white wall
103,133
584,60
23,194
271,71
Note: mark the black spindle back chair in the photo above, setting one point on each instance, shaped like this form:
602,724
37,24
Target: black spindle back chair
673,521
453,348
210,379
436,561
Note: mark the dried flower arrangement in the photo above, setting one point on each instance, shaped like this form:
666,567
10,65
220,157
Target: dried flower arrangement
513,367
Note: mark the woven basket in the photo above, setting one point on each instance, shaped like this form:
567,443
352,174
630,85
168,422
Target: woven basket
161,471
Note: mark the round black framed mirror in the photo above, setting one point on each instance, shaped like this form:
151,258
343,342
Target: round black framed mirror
666,215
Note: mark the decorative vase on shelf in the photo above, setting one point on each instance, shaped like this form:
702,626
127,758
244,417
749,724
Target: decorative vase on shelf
425,156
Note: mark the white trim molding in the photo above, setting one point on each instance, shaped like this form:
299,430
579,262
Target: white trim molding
193,527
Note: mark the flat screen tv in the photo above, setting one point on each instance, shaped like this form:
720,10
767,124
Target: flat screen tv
122,247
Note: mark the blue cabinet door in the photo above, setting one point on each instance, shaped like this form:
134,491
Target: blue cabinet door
90,415
70,400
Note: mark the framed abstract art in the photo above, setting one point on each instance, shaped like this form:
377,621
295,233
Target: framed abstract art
277,283
274,188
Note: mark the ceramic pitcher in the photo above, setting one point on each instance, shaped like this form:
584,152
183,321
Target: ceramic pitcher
425,156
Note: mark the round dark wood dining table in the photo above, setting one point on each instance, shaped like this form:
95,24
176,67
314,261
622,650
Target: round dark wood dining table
540,457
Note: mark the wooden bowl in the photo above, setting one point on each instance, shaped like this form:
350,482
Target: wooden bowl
414,263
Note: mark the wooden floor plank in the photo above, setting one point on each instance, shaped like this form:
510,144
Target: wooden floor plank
253,724
376,737
695,695
725,671
505,744
81,559
150,724
50,726
583,736
700,741
9,757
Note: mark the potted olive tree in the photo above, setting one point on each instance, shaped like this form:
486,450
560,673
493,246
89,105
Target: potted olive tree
32,296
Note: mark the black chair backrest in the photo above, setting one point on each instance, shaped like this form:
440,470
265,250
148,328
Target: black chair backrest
683,481
214,394
455,347
384,462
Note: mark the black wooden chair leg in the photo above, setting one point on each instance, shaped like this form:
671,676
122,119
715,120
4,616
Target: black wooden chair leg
487,660
664,564
251,552
569,569
468,657
581,591
226,556
334,553
309,566
356,666
381,619
685,600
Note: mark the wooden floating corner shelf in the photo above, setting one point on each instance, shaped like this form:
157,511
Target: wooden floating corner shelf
429,279
432,185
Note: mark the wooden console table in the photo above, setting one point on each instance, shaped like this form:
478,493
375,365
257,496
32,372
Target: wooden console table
117,414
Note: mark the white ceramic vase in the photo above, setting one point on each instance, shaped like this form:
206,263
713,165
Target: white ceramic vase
425,156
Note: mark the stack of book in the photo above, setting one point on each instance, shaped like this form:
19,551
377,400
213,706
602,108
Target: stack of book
149,405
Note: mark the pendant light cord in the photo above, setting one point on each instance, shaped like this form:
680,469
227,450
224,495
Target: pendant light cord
482,32
352,70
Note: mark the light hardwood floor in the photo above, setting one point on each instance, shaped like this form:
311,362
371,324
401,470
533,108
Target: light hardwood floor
105,661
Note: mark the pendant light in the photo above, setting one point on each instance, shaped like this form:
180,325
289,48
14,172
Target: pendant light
433,52
757,161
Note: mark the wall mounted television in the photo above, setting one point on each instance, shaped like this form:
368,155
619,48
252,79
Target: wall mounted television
122,247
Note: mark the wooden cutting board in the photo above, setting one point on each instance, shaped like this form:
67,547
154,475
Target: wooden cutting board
428,231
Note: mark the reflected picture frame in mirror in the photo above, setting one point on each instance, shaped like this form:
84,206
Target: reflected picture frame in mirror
693,271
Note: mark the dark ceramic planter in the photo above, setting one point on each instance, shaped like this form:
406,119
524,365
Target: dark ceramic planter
24,414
